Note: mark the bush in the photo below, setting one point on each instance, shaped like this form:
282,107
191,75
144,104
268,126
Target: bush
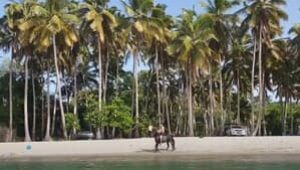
114,115
72,123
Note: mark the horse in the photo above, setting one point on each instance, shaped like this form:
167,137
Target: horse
160,138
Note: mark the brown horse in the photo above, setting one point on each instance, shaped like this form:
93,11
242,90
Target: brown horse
160,138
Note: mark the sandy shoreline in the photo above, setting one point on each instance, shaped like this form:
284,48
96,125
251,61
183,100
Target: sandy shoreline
204,148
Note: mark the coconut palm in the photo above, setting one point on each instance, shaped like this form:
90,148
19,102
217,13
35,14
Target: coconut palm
142,28
157,50
284,76
119,44
8,43
101,21
218,19
237,66
50,23
191,46
22,10
263,18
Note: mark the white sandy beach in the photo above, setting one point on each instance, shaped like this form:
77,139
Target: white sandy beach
145,146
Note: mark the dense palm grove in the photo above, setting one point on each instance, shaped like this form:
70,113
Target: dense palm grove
203,71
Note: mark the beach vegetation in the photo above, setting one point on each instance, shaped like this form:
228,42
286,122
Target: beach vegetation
91,65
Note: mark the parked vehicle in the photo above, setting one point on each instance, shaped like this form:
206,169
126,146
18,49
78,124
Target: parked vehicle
84,135
236,130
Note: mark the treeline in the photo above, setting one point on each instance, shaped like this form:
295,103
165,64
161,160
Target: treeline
206,71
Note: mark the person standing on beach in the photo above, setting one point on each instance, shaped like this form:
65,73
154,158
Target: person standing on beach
161,129
150,129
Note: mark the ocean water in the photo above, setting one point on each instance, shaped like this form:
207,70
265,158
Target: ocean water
150,164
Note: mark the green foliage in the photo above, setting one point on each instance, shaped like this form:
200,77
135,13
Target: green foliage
93,115
144,123
196,53
72,122
116,114
273,118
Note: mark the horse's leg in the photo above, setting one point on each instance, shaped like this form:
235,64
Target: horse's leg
156,147
173,144
168,145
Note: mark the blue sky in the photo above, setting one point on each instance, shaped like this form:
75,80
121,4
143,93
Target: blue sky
175,7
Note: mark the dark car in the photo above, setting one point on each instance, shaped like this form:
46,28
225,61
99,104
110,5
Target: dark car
84,135
236,130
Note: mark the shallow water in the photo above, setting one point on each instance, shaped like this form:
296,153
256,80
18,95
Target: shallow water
150,164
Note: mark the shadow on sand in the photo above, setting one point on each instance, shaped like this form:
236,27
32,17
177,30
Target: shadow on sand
153,150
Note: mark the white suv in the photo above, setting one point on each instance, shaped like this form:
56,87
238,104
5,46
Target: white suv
236,130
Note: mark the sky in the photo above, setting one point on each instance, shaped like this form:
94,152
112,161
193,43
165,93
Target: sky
174,8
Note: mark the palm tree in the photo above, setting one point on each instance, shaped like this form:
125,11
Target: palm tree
191,47
285,73
52,22
237,66
8,42
157,49
119,43
143,27
101,21
264,20
218,21
9,28
23,11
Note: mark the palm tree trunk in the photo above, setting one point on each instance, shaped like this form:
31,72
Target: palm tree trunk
10,100
105,78
54,112
285,115
157,86
223,116
206,123
178,122
258,125
42,114
98,134
26,127
211,101
59,89
264,106
229,108
252,85
281,110
147,94
117,78
47,135
168,115
190,102
292,126
75,96
136,92
100,74
34,107
238,98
